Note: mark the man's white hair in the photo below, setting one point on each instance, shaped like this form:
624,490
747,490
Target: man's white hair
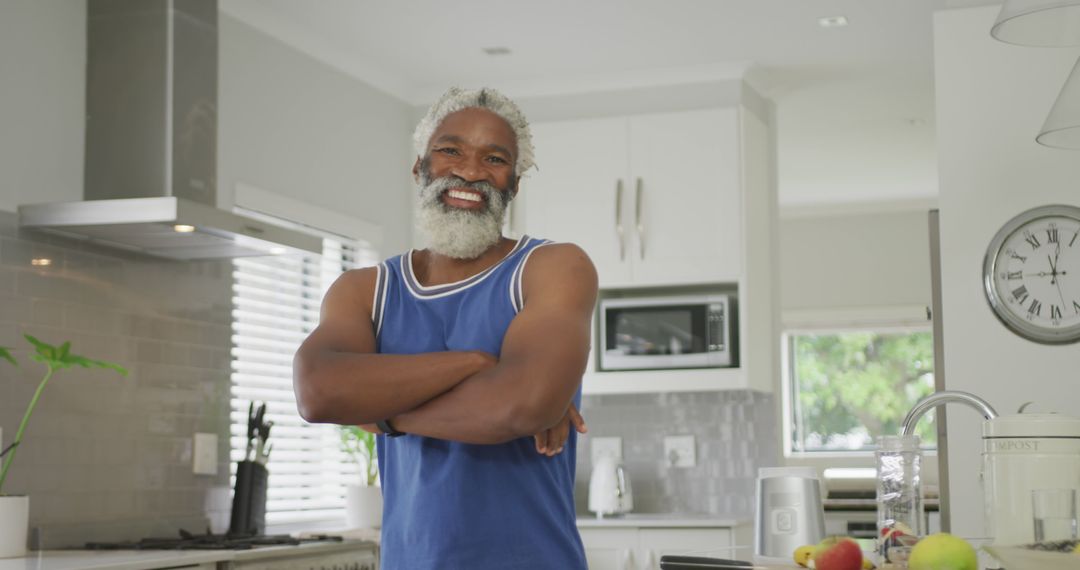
455,99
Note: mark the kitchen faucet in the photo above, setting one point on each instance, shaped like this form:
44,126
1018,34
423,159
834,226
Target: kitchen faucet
945,397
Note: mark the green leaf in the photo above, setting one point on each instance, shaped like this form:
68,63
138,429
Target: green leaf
5,353
64,350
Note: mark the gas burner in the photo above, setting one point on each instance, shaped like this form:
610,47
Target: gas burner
208,541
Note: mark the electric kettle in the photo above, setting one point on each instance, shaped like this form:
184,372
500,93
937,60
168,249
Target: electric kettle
1022,452
609,488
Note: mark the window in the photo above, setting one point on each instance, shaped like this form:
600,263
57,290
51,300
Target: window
276,304
843,388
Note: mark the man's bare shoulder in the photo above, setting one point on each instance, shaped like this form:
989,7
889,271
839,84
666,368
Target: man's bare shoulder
554,255
563,264
355,287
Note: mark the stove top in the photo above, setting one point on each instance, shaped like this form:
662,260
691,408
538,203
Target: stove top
189,541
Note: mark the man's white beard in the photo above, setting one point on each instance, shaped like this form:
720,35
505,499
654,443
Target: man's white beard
454,232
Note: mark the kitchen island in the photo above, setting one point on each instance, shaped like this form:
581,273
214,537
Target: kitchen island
347,555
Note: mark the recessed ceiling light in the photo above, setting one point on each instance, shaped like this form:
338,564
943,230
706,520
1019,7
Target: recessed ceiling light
277,250
41,262
183,228
833,22
497,50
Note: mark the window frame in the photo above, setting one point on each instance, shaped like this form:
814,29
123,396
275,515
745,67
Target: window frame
787,401
347,231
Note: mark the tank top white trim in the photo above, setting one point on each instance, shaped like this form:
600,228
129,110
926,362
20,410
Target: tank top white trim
444,289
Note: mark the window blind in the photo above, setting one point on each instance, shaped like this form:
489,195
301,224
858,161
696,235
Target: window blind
276,304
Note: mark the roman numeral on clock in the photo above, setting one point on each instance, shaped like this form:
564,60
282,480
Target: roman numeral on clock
1035,308
1076,307
1031,239
1020,294
1055,312
1014,275
1073,240
1052,235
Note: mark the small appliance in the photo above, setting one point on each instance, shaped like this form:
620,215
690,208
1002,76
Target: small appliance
659,332
789,513
609,488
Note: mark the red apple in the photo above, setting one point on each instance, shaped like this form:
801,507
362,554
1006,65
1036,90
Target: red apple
838,553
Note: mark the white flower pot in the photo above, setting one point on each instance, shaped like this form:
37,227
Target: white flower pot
14,521
363,506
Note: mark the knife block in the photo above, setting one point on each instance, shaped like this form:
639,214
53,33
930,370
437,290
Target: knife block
249,500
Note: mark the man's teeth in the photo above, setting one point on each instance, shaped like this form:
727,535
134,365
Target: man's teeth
464,195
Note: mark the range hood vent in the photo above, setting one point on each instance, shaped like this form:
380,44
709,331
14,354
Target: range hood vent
150,179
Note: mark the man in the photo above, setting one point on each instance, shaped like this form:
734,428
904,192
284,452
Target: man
468,355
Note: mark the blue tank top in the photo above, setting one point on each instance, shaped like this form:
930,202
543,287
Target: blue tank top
450,505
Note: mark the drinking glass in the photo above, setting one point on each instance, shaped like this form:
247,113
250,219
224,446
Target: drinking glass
1054,514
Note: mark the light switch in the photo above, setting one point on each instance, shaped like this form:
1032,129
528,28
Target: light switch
680,451
606,446
205,454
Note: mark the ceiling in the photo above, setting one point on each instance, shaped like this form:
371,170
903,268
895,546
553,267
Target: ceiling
855,104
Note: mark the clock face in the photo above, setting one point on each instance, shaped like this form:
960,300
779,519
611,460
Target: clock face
1032,274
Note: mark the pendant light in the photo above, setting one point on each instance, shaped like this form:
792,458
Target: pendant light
1062,126
1039,23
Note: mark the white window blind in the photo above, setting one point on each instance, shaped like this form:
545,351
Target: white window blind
276,304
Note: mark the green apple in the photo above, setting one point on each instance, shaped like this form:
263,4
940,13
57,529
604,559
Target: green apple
838,553
943,551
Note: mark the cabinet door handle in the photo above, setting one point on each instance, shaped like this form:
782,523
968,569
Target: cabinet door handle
627,560
618,219
638,191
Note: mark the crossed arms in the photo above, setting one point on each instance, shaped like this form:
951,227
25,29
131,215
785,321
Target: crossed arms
463,396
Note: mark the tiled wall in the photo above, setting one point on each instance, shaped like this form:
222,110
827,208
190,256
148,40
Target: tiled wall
734,432
106,457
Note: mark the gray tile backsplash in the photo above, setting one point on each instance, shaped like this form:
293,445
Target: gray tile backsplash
734,431
106,457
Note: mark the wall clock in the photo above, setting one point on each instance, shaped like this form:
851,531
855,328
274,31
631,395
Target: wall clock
1031,274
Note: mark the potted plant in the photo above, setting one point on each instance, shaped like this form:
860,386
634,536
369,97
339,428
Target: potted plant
15,509
363,502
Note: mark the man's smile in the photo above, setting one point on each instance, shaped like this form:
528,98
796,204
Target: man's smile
464,198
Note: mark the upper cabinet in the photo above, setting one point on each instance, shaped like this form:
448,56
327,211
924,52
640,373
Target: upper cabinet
653,199
668,200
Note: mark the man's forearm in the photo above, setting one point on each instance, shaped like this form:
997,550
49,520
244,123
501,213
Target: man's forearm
354,388
481,409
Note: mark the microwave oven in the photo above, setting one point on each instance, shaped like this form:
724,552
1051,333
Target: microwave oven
684,331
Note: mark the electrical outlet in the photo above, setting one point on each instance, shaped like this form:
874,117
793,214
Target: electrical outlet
205,454
606,446
680,451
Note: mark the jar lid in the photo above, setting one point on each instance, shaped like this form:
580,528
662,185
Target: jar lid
898,442
1032,425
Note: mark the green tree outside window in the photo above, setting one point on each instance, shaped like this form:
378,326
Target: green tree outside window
851,387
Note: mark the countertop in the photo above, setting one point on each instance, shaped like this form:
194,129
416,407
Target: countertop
151,559
660,520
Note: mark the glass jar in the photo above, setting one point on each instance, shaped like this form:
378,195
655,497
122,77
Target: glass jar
899,497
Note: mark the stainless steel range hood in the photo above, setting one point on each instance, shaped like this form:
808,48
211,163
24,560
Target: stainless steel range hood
150,180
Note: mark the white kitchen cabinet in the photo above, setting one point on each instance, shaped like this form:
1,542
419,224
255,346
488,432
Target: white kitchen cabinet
653,199
640,548
664,200
610,548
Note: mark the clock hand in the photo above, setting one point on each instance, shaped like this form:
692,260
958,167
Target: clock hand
1053,271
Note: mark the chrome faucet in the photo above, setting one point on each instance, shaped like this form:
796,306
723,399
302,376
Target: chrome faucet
945,397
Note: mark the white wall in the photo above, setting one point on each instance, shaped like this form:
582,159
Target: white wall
991,100
859,260
42,100
300,128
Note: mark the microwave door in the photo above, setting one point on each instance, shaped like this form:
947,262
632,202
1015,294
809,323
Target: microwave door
655,337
